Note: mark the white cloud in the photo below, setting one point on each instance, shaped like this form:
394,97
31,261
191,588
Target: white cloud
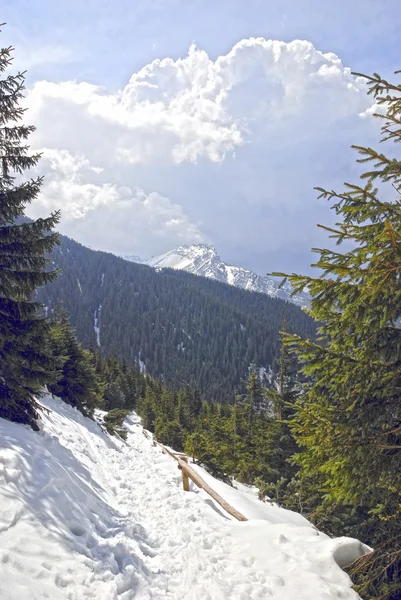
91,210
33,57
236,144
193,107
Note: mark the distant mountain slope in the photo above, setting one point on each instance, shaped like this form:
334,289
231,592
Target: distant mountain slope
204,260
185,329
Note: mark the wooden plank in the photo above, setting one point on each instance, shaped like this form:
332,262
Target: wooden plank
201,483
197,479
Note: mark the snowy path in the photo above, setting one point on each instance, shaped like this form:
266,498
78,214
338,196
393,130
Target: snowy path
84,516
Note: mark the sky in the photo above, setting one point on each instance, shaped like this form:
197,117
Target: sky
168,122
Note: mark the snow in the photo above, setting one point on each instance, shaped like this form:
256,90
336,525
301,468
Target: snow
79,285
171,261
132,258
85,516
141,363
245,500
204,260
96,323
230,274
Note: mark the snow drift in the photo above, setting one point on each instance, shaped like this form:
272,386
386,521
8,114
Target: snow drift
85,516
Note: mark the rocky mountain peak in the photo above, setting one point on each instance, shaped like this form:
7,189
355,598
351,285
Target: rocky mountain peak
205,261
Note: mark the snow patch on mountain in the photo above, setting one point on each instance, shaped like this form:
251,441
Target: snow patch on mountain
204,260
96,323
134,258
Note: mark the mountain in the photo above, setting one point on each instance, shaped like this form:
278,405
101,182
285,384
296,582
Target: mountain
204,260
136,259
181,328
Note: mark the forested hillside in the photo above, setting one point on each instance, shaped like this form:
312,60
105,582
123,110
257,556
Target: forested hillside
186,329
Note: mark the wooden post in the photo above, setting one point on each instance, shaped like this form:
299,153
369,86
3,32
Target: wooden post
201,483
185,478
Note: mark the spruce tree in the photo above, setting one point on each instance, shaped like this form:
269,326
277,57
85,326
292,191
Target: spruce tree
275,443
77,382
349,419
256,393
24,359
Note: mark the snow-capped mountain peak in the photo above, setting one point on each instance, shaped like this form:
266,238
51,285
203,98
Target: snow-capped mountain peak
199,259
134,258
205,261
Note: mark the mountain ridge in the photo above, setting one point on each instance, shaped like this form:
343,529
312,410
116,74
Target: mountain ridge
182,328
204,260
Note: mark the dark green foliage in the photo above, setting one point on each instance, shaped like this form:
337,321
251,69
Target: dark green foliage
122,386
24,357
147,406
188,330
212,443
76,382
244,440
256,394
348,421
169,432
278,443
113,421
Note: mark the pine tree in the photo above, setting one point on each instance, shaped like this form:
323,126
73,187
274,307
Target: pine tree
146,406
77,383
349,419
256,393
24,359
275,443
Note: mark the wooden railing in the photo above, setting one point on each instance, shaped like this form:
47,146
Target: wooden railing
188,473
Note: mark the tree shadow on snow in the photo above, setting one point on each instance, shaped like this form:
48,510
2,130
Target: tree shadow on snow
52,485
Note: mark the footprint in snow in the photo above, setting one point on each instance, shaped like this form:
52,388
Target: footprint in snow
248,562
275,580
10,515
77,529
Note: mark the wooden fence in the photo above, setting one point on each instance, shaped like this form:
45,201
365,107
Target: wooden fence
189,473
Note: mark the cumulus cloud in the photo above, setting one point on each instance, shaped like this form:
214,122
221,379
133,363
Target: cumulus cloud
135,218
227,150
195,107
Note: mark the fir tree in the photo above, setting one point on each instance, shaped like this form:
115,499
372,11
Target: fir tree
349,419
275,444
147,406
24,360
77,384
256,393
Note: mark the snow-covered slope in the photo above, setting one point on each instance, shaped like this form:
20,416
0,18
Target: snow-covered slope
204,260
136,259
84,516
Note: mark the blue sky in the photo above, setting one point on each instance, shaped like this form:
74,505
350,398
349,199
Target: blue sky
106,40
220,144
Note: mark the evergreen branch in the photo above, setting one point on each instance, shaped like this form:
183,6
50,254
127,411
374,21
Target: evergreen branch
386,433
343,233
